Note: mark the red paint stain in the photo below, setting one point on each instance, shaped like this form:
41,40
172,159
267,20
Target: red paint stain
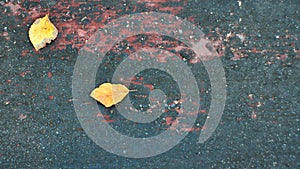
149,86
163,5
106,117
81,32
5,35
22,116
24,73
238,54
108,120
254,115
203,111
173,10
282,57
71,23
24,53
49,74
169,120
190,129
174,124
41,58
15,8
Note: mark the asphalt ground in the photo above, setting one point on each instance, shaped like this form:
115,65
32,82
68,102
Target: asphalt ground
257,42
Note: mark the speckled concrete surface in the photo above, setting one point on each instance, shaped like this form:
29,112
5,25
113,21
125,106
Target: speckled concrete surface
258,43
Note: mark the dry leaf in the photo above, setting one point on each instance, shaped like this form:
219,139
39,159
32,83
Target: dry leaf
109,94
41,32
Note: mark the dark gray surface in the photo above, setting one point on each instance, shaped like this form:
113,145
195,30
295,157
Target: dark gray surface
51,136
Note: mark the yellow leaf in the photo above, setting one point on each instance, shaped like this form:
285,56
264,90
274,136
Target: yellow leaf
41,32
109,94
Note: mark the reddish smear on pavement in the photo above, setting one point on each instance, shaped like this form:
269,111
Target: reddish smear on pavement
77,21
22,116
51,97
15,8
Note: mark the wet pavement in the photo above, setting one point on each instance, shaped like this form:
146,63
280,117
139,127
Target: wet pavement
257,42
